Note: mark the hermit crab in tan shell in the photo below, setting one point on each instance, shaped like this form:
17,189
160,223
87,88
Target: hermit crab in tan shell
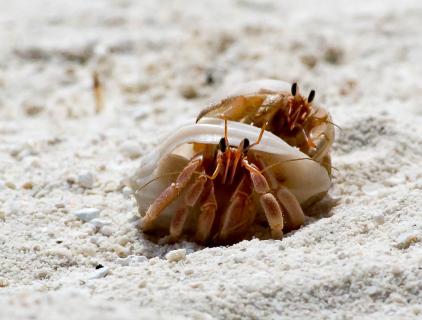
289,115
219,182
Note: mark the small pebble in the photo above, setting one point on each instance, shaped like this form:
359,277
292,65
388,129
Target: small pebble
396,270
87,214
99,223
123,261
130,149
43,274
71,179
309,60
209,77
89,230
127,192
239,259
28,185
189,272
60,252
86,180
99,266
140,113
31,162
334,55
372,189
121,251
123,240
32,109
396,298
372,290
188,91
10,185
100,273
2,216
196,285
131,260
106,231
88,250
379,218
405,240
176,255
94,240
3,282
110,186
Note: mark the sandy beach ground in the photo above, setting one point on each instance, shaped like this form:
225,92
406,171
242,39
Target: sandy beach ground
358,256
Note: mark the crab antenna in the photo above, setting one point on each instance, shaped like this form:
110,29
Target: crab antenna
294,88
284,161
324,121
311,96
168,174
156,178
335,168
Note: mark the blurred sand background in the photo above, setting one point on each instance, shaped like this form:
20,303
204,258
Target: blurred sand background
358,256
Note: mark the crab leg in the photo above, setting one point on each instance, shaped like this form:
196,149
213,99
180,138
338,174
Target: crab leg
272,104
323,142
239,214
207,216
234,108
288,201
191,197
274,214
296,218
177,223
169,194
308,139
272,209
321,132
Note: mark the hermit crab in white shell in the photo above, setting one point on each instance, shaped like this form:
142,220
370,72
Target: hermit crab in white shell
219,182
289,115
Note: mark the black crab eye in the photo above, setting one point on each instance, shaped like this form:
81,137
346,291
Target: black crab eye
294,88
246,144
222,144
311,96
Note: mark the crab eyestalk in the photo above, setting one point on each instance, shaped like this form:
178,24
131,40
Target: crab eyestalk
311,96
294,89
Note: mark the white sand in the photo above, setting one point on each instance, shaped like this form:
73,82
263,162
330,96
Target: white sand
359,256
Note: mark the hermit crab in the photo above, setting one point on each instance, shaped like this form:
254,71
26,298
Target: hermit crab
290,116
219,182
